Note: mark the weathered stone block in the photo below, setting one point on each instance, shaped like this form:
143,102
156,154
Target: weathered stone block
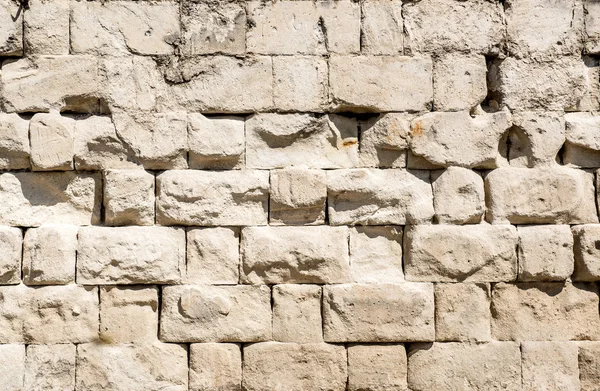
382,27
462,312
536,138
458,196
384,140
50,367
459,82
14,142
583,143
14,306
545,253
12,367
297,313
213,256
587,252
589,365
376,368
592,26
11,36
128,197
297,197
52,140
216,143
376,254
11,240
300,83
46,27
215,366
49,255
550,365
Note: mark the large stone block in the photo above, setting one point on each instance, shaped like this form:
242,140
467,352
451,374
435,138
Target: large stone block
587,252
536,138
297,313
376,254
50,367
15,302
11,243
301,83
215,366
384,140
550,365
589,365
216,143
583,142
459,82
376,367
213,256
458,196
11,20
14,142
12,367
382,27
462,312
49,255
52,140
46,27
297,197
128,197
545,253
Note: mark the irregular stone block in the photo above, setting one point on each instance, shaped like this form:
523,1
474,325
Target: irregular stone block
540,196
591,19
11,240
378,197
297,313
12,366
49,255
549,311
381,83
14,306
128,197
457,139
50,367
376,367
213,256
462,312
382,27
130,255
212,198
203,313
545,253
376,254
215,366
46,27
52,140
32,199
146,367
550,365
583,143
11,36
458,196
457,253
536,138
378,312
14,142
296,367
587,252
300,83
473,367
589,365
216,143
297,197
282,140
459,82
292,255
384,140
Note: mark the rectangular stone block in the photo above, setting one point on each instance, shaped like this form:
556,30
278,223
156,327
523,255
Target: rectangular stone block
377,367
129,197
32,199
295,367
12,367
458,196
11,244
462,312
537,138
384,140
11,36
14,307
292,255
549,311
457,253
49,255
297,197
382,27
297,313
212,198
582,148
14,142
460,82
545,253
130,255
216,143
550,365
379,197
46,27
378,313
587,252
52,140
213,256
301,83
589,365
376,254
50,367
215,366
203,313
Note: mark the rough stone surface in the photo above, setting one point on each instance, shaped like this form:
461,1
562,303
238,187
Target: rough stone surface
215,366
11,37
213,256
46,27
10,255
382,27
297,197
462,312
14,142
128,197
52,142
376,367
12,367
376,254
587,252
458,196
460,82
550,365
50,367
384,140
300,83
545,253
49,255
297,313
536,138
216,143
589,361
583,143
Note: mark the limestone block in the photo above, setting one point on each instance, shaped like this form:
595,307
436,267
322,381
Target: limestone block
130,255
129,367
589,365
583,142
549,311
203,313
536,138
545,253
122,27
378,312
458,196
462,312
15,302
382,27
378,197
587,252
381,83
295,255
377,368
464,366
10,255
448,26
458,139
297,197
300,83
550,365
212,198
592,26
12,366
540,196
14,142
128,314
46,27
457,253
213,256
297,313
314,141
384,140
50,367
65,83
128,197
52,140
376,254
591,98
213,28
459,81
215,366
294,367
216,143
49,254
11,36
32,199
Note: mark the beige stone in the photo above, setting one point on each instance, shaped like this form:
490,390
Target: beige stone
462,312
549,311
215,366
492,366
536,138
50,367
545,253
32,199
377,368
128,197
550,365
583,143
458,196
12,366
378,312
216,143
203,313
589,366
384,140
130,255
540,196
49,255
305,255
11,36
382,27
10,255
376,254
297,313
278,366
14,142
378,197
592,26
52,140
587,252
459,82
130,367
212,198
15,302
300,83
297,197
213,256
46,27
577,156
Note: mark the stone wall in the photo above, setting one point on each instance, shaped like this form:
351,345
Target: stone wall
299,195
